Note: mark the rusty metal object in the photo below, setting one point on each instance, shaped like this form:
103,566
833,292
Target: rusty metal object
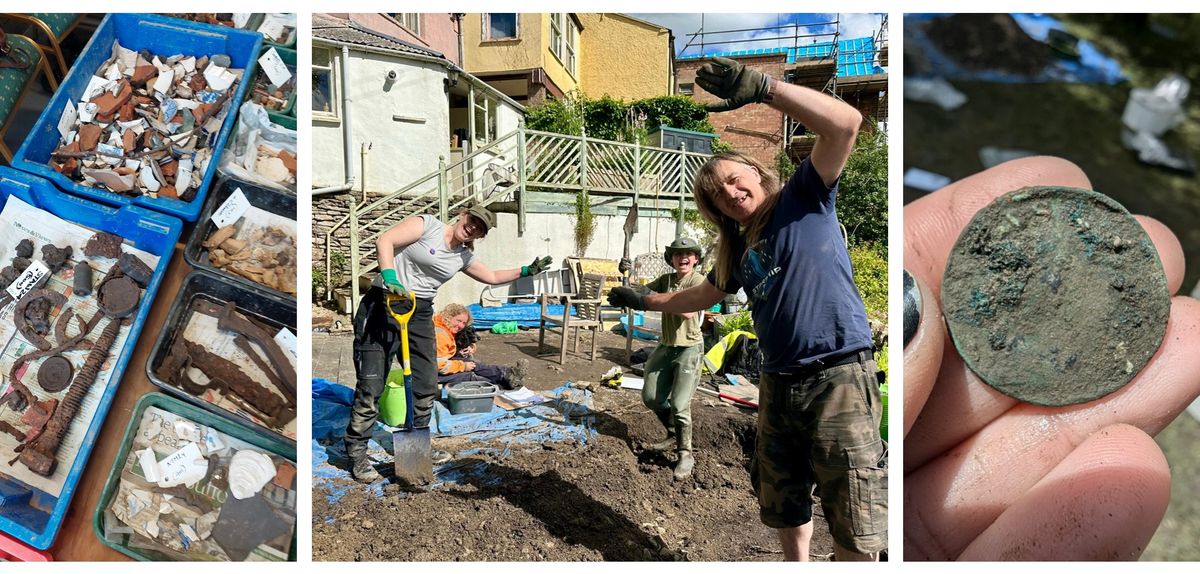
16,433
119,297
103,245
217,368
55,374
55,257
244,344
22,322
79,341
229,319
134,268
39,454
25,248
83,279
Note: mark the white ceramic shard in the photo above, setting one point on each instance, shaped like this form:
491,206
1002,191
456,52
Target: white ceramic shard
249,472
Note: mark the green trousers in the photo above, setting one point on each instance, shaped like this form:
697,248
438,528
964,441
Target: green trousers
672,374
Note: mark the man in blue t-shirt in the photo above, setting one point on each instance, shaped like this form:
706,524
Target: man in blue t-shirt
819,401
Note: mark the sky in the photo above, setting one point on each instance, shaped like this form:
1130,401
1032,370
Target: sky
849,26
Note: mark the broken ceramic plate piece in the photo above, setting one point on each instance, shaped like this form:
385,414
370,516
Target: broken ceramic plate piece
249,472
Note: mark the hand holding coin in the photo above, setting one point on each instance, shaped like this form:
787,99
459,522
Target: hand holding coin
990,477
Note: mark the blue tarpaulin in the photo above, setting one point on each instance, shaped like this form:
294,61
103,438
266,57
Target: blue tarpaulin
566,416
525,314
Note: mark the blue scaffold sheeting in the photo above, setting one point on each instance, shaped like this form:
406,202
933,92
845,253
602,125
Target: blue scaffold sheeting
525,314
566,416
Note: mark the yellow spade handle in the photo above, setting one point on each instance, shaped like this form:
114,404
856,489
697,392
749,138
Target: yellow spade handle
402,320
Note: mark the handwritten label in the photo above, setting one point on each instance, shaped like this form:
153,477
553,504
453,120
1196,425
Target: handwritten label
274,67
232,209
287,340
31,278
66,122
272,27
184,466
240,19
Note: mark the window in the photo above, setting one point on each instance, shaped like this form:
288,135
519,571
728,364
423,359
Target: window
485,119
411,21
324,102
500,26
687,89
562,45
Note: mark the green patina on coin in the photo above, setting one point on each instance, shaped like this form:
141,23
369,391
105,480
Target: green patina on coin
1055,295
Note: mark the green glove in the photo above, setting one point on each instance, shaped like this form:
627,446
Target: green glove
736,84
392,282
536,267
633,297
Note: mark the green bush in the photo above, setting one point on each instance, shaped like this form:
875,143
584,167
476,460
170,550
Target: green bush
862,194
870,275
612,119
739,322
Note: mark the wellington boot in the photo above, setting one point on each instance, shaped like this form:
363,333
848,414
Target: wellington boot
683,468
363,471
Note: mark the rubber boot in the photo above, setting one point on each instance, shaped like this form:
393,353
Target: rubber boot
683,469
361,468
516,376
665,444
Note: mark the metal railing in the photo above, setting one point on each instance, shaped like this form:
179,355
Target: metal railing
533,160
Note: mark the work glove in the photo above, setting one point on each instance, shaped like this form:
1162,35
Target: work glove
736,84
624,266
633,297
392,282
536,267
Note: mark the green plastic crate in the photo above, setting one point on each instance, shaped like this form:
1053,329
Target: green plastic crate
248,434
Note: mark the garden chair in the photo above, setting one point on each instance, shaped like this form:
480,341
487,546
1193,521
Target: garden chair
586,301
15,80
56,26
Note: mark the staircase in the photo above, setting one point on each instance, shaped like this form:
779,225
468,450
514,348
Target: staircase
507,169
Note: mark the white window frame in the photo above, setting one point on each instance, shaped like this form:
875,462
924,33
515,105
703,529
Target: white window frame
487,27
485,130
331,69
556,34
411,21
563,36
572,37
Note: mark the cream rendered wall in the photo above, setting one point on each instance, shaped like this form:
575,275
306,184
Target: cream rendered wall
552,234
401,151
493,56
641,52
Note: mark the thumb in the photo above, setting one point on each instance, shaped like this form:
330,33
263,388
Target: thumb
925,335
721,106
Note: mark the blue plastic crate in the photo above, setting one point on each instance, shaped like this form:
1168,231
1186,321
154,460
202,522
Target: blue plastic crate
28,514
162,36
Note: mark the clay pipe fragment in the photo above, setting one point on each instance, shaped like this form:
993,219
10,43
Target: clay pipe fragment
39,456
230,320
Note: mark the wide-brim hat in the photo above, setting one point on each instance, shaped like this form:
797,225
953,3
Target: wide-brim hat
683,244
484,215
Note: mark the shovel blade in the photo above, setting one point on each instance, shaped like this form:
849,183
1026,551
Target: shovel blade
414,464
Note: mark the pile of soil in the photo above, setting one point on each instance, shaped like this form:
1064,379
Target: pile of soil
988,42
605,500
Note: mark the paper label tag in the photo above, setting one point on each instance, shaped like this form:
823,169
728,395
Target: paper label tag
180,466
28,280
272,28
240,19
66,122
287,340
232,209
274,67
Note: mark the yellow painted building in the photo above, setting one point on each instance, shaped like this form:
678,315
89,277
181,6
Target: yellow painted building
639,52
529,56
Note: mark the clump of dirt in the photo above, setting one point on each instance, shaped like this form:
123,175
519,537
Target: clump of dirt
988,42
604,500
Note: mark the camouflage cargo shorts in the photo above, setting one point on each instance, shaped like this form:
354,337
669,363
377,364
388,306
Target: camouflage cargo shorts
822,430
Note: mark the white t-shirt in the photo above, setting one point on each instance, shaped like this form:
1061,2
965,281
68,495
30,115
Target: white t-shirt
428,263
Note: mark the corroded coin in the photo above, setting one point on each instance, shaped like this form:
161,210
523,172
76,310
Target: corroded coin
1055,296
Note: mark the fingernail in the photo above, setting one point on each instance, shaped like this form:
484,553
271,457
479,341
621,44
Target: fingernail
912,307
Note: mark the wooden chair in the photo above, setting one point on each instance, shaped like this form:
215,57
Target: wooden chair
586,301
16,82
56,26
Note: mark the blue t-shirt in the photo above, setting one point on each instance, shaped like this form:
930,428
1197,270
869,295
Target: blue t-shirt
798,278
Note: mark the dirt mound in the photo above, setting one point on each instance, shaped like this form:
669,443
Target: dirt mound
988,42
604,500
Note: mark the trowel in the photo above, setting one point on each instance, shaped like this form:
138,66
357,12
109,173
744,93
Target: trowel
410,446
